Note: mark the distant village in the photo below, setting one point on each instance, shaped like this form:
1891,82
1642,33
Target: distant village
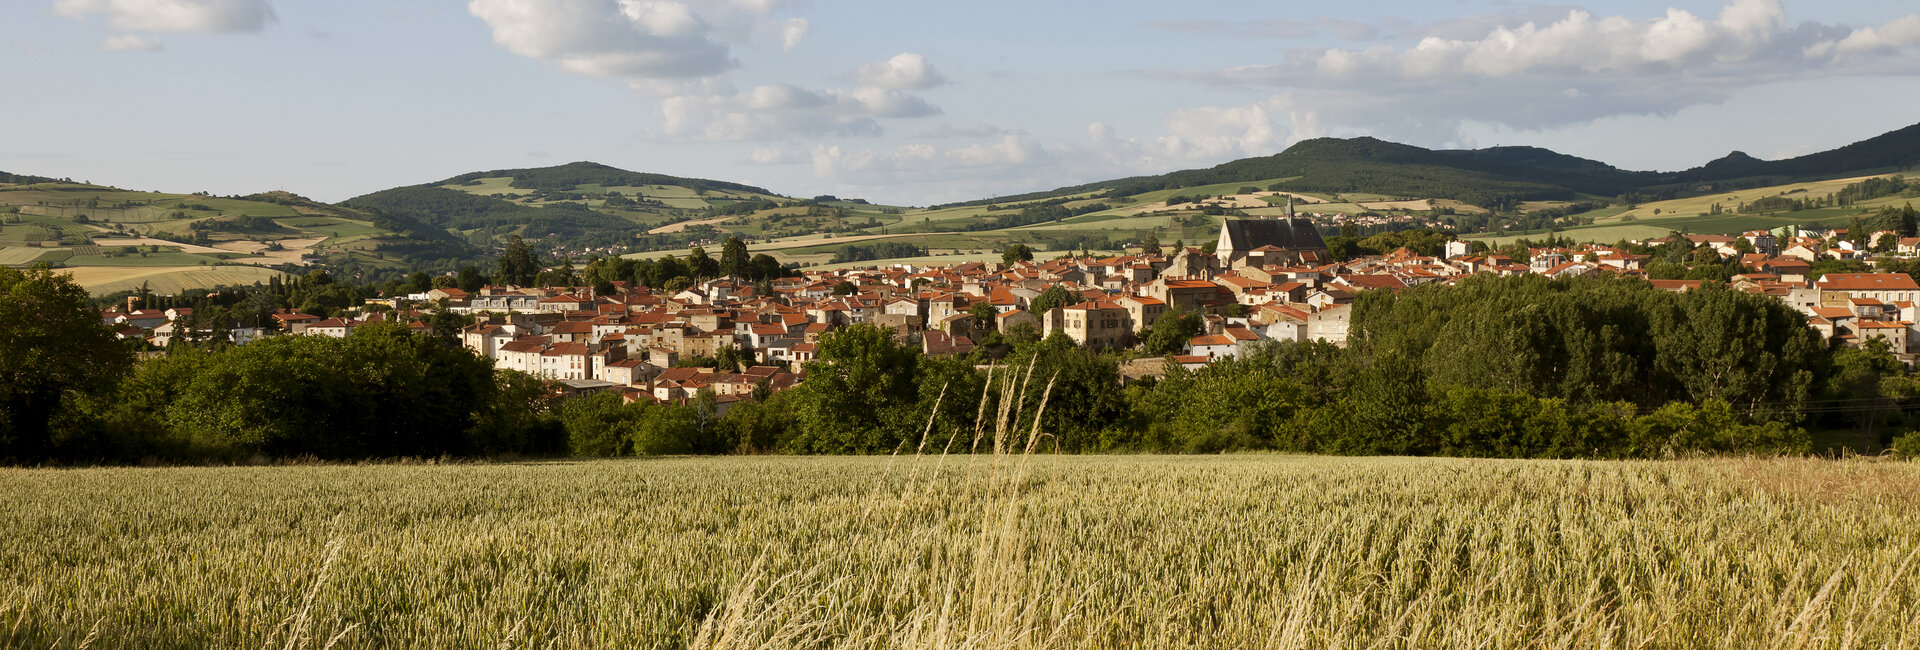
1267,279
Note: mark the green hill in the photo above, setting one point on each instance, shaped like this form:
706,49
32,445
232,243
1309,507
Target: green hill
572,176
1496,174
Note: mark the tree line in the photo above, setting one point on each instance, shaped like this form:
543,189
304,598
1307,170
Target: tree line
1497,367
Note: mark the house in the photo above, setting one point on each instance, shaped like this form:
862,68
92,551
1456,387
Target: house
1885,287
1212,346
1094,323
940,344
627,372
334,327
1142,311
1330,324
485,339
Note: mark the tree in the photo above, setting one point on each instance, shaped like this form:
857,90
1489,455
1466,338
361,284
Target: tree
858,395
703,267
984,315
470,279
734,260
1054,296
53,349
1171,332
380,392
729,358
1016,253
765,267
1151,244
517,266
845,288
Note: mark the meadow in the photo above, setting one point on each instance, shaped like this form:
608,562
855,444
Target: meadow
988,551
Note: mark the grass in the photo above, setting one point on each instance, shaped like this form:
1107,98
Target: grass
975,551
330,226
1696,205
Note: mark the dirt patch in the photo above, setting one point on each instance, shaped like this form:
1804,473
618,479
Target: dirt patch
1422,204
677,227
149,241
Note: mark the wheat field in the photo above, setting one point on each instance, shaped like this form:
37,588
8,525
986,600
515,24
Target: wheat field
966,552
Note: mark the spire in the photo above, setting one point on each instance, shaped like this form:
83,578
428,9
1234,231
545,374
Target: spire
1289,206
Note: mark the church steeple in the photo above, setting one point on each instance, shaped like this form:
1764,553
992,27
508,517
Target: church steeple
1289,206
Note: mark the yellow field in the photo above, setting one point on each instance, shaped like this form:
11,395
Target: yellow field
967,552
18,255
101,280
1602,234
1698,205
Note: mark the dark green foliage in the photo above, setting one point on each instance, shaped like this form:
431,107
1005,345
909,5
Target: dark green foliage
1171,332
1016,253
603,424
53,351
876,251
517,266
380,392
426,208
859,396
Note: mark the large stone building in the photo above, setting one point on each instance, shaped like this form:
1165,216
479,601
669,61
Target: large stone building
1286,241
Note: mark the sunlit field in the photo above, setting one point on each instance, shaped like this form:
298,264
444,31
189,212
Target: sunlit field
966,551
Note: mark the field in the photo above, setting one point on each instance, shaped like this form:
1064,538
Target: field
976,551
102,280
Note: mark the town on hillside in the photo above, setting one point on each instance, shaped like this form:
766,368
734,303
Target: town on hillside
1265,279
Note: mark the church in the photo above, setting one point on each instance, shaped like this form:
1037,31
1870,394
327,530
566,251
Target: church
1283,241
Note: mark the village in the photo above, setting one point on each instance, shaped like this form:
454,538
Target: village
1265,279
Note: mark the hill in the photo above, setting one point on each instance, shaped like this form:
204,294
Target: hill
572,176
1496,174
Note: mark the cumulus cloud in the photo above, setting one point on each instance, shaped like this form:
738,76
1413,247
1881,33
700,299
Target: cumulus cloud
905,71
1541,73
945,131
1019,162
131,43
197,16
779,111
633,39
792,32
779,156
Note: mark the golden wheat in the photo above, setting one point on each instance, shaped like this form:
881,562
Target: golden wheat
982,551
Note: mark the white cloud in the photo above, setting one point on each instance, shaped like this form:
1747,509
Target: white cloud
1004,162
198,16
792,32
779,111
905,71
779,156
131,43
629,39
945,131
1528,71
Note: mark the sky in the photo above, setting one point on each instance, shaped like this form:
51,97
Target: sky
913,103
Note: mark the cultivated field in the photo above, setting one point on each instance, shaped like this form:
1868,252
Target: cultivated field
103,280
985,552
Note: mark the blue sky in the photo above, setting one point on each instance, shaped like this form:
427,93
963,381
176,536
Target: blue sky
912,103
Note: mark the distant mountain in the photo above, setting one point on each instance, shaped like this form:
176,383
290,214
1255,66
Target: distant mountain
1495,174
1890,151
563,178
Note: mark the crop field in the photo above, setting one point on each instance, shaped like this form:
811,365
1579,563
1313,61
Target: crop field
986,551
1698,205
330,226
20,255
164,280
